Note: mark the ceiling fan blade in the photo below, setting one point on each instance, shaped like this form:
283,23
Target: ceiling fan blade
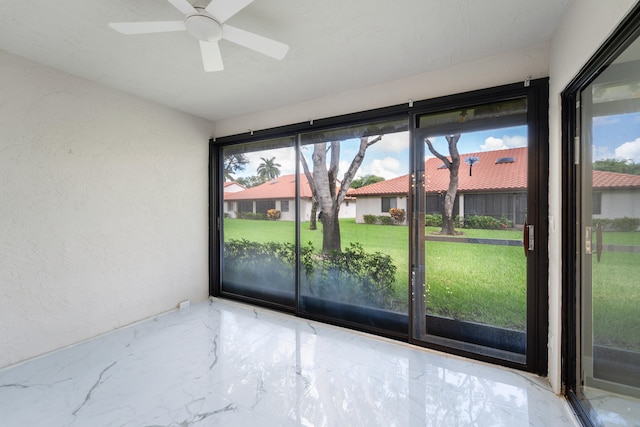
148,27
183,6
225,9
255,42
211,57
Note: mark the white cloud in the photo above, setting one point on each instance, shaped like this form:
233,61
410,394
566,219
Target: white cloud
391,143
629,151
492,143
387,168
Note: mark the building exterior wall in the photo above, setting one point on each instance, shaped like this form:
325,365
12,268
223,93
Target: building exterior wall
305,209
372,205
618,204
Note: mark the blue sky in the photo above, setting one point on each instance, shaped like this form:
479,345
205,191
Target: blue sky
617,137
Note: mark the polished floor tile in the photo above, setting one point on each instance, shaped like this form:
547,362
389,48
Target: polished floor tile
222,363
613,410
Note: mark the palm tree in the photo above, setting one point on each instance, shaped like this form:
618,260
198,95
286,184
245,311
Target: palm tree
268,169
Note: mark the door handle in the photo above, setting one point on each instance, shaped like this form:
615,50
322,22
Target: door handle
599,241
528,238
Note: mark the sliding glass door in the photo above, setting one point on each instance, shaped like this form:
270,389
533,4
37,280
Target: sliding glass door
357,222
317,223
353,225
608,232
476,288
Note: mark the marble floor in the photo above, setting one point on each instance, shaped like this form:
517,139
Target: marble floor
222,363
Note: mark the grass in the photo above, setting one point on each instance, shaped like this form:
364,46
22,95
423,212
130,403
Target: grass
616,300
481,283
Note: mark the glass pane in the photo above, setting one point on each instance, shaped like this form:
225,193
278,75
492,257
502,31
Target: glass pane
259,229
353,225
610,246
475,180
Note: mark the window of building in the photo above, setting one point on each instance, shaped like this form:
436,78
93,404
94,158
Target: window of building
388,203
597,203
284,206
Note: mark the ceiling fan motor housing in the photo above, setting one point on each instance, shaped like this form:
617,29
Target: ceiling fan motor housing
203,27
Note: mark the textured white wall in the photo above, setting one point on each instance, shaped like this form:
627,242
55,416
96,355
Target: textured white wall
103,209
585,26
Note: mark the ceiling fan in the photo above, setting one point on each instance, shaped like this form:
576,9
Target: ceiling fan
207,25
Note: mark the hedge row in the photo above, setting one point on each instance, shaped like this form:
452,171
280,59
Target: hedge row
352,276
618,224
272,214
472,221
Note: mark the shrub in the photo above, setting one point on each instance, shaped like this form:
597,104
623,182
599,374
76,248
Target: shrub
378,219
486,222
607,224
352,276
369,219
355,276
273,214
433,220
626,224
385,220
398,215
250,215
618,224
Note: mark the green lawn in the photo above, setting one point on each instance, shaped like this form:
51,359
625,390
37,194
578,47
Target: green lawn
480,283
616,300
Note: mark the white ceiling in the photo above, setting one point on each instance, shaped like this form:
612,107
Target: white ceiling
335,45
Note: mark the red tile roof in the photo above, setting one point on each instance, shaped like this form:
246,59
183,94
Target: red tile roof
603,179
230,183
399,185
283,187
486,175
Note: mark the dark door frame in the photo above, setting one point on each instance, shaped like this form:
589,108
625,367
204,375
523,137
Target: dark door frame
536,92
626,33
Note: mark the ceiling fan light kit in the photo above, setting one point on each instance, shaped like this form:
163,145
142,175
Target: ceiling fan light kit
207,26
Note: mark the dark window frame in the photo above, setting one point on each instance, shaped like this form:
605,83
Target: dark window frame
539,90
389,203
